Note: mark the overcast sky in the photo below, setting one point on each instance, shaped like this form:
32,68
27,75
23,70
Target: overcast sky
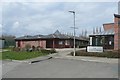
32,18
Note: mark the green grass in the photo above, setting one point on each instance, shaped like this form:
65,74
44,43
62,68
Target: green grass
22,55
0,55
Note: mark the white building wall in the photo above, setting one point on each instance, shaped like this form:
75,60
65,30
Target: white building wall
2,43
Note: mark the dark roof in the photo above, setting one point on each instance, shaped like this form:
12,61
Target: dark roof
2,39
57,35
57,32
28,37
108,23
117,15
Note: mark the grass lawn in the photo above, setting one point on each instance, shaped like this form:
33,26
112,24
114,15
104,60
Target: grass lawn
22,55
0,55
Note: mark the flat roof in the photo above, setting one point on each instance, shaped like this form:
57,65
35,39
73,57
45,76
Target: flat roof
117,15
104,33
107,23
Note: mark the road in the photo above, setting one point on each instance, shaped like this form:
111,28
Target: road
60,68
64,68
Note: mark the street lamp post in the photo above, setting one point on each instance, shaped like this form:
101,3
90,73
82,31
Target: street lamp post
74,30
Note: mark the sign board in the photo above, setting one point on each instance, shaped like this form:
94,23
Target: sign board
90,40
94,49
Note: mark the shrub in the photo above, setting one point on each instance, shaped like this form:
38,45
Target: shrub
16,49
44,50
53,50
33,48
48,51
38,48
108,54
27,47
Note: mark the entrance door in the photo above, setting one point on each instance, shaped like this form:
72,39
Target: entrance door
18,43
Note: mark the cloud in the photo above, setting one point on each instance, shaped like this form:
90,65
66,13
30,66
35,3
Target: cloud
22,18
60,0
0,29
15,25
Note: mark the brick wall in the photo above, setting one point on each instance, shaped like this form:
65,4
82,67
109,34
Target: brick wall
117,34
108,26
41,43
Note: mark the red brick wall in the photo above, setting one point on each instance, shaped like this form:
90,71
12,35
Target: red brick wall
41,43
117,34
108,26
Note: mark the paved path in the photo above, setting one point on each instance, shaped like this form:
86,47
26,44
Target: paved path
0,69
63,54
2,50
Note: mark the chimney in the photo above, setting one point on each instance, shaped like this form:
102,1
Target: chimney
93,30
96,30
119,7
100,30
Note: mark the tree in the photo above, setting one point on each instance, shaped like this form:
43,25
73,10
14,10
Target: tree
9,40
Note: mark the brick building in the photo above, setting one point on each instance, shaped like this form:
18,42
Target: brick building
110,37
55,40
117,32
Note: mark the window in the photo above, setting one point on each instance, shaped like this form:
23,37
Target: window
67,42
60,42
119,22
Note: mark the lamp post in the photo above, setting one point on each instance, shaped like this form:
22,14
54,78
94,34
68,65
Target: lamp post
74,30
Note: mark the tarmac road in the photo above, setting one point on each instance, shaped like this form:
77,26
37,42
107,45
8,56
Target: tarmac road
61,67
64,68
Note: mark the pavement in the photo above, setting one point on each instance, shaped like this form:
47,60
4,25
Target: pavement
2,50
64,54
61,65
0,69
64,68
8,66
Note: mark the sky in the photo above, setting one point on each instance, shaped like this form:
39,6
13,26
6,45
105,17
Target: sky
33,18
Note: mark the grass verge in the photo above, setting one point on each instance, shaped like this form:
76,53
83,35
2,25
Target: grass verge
108,54
22,55
0,55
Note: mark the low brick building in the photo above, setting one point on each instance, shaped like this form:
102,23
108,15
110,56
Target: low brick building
55,40
110,37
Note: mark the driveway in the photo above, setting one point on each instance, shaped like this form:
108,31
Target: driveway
65,52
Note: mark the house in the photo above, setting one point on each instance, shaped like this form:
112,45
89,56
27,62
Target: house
55,40
2,41
110,37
